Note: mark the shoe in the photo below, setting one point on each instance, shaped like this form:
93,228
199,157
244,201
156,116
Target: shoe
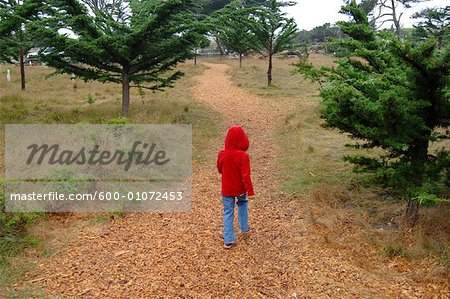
247,232
227,245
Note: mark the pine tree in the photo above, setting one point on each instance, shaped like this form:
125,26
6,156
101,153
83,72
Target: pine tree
16,40
210,6
134,43
435,22
393,95
274,32
233,28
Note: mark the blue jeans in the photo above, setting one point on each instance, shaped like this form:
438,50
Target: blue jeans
228,216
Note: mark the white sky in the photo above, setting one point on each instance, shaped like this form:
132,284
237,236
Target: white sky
311,13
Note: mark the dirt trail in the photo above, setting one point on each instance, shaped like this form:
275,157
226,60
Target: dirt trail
181,255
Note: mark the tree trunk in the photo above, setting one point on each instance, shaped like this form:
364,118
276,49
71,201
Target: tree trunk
195,56
269,71
22,68
219,46
398,30
240,60
396,20
125,93
419,158
412,212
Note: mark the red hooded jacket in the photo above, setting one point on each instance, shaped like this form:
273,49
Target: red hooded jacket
234,164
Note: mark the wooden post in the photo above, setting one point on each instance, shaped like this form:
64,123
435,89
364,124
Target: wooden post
73,77
22,68
269,71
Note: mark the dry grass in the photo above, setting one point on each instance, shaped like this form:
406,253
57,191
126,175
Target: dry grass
253,76
53,100
346,209
369,225
92,101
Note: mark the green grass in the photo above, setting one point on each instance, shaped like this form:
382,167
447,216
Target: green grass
11,246
100,219
391,251
28,292
311,155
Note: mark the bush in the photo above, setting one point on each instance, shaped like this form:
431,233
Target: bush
90,99
119,121
13,228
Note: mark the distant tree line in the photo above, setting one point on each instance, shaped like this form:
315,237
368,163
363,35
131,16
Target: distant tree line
319,34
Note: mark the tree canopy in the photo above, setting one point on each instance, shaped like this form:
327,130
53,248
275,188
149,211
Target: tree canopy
135,43
274,32
16,38
320,34
233,27
434,23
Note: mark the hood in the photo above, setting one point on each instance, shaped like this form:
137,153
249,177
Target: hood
236,139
